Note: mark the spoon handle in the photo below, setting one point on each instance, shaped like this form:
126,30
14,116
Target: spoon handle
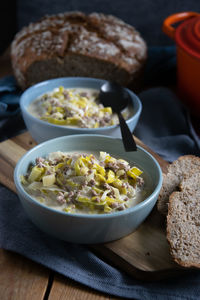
127,137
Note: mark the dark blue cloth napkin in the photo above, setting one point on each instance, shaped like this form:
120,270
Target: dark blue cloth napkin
165,127
9,97
77,262
11,122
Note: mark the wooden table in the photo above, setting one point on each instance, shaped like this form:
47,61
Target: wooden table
22,279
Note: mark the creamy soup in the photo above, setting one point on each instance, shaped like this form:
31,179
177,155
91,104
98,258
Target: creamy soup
77,107
85,182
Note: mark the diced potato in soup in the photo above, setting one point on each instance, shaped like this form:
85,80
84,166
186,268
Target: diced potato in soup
85,182
77,107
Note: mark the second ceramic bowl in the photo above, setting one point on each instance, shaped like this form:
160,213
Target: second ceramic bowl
42,131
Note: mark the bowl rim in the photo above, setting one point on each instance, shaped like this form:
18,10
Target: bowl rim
127,211
134,98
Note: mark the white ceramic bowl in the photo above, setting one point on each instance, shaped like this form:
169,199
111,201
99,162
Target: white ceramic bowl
93,228
42,131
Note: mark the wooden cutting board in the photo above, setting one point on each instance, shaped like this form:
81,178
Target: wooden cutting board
143,254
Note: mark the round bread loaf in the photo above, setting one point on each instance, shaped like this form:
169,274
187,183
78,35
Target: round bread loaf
76,44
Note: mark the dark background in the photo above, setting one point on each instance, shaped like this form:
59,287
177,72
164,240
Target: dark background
146,15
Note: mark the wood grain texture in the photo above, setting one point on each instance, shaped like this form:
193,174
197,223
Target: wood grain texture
63,288
143,254
20,278
24,140
10,153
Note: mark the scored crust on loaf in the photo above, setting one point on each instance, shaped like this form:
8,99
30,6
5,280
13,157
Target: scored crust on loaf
76,44
183,223
184,166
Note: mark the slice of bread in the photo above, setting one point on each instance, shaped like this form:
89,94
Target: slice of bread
184,166
183,222
191,184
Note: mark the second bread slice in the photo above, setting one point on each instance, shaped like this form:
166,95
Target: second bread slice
184,166
183,223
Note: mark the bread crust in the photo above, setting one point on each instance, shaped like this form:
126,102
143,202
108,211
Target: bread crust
179,199
184,166
183,224
96,36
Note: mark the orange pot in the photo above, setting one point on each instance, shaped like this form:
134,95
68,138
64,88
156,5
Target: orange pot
187,38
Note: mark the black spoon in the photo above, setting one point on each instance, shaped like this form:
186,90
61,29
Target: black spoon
113,95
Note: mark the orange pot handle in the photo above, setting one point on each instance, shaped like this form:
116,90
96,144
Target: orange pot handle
167,27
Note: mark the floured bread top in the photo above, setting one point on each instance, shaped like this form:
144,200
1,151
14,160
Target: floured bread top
96,35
